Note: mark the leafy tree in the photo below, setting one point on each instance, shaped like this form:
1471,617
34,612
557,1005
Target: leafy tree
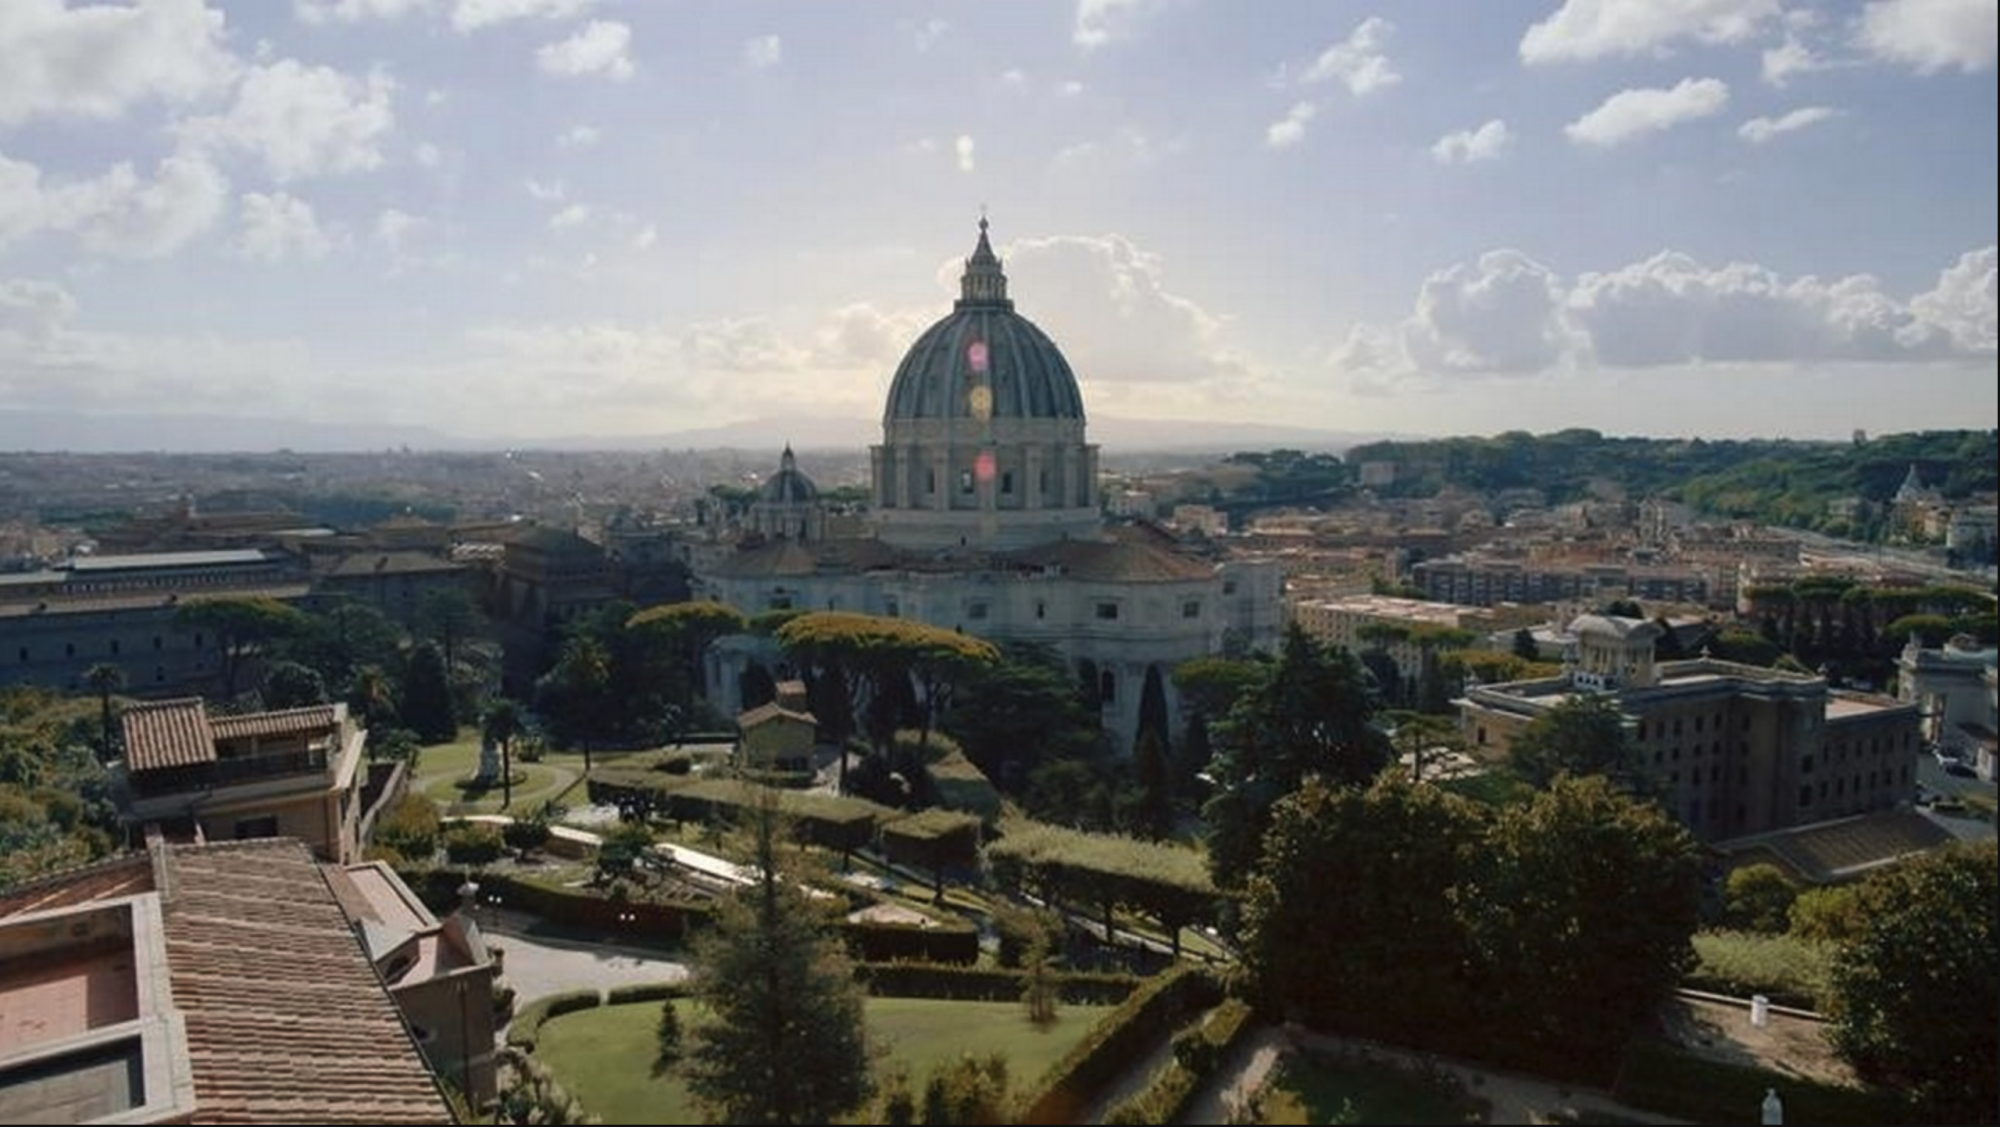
780,1037
1916,991
1310,714
427,703
104,679
1583,735
502,722
575,695
1153,818
241,627
1745,647
1622,608
1831,914
1582,908
1153,709
287,684
1759,898
667,1038
1333,929
1416,734
967,1090
340,636
448,616
682,632
372,697
1020,712
1524,645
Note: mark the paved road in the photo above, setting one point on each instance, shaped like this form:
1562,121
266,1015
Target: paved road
539,967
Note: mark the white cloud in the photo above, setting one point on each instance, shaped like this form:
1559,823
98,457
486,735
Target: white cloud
963,148
356,11
1014,78
861,336
1507,315
34,312
393,225
1358,61
1106,302
1761,129
578,137
1070,88
763,52
1469,146
116,212
1290,129
1099,22
303,121
471,15
924,34
600,48
280,226
427,155
1931,35
1501,315
1595,29
647,236
1791,57
1961,305
1634,113
545,191
97,61
575,215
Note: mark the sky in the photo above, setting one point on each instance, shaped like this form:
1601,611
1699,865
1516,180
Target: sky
522,220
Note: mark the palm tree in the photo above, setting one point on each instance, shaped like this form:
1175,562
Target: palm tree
500,725
104,679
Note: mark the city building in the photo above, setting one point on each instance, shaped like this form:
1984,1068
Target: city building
1956,692
779,734
985,516
218,983
1735,749
294,773
1478,581
1402,628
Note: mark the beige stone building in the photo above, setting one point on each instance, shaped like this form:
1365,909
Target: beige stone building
294,773
1736,749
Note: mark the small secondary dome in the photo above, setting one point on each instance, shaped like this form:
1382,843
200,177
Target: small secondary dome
983,360
789,485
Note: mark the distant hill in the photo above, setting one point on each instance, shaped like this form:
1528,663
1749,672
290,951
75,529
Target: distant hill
82,433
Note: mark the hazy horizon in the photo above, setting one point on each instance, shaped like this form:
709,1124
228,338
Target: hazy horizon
512,222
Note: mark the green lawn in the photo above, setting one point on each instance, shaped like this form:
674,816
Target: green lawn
1311,1089
603,1056
534,784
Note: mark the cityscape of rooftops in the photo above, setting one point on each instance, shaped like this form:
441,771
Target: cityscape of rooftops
1069,561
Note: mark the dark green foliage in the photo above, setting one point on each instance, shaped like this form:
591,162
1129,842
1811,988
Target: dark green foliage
983,984
427,706
1524,645
1759,898
667,1038
1117,1043
240,627
410,828
1579,911
287,684
1310,713
781,1037
473,843
1019,713
1153,814
1583,735
1917,989
528,834
619,848
1333,928
967,1090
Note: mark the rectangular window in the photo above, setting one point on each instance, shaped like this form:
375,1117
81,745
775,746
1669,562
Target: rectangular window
1107,611
1805,796
976,612
930,481
892,609
1191,609
965,481
1041,609
1107,687
1229,586
1007,482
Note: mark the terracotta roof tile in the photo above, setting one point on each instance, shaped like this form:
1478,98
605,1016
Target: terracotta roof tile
125,875
286,1019
285,722
167,733
767,712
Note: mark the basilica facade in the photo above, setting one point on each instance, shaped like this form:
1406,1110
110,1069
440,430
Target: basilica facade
984,517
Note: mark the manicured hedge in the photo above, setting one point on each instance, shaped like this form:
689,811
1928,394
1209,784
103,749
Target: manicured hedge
648,919
1199,1050
980,984
644,992
1661,1078
526,1028
944,942
1119,1042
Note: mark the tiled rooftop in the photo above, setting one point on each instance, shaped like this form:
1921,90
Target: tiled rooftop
168,733
285,722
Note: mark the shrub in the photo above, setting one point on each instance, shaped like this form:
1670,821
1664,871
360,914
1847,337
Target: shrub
473,843
526,835
571,1001
1117,1042
643,992
410,828
1788,970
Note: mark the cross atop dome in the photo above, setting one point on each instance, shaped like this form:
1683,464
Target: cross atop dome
984,283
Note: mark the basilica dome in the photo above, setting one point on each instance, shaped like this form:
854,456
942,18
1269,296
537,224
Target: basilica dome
790,485
983,360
